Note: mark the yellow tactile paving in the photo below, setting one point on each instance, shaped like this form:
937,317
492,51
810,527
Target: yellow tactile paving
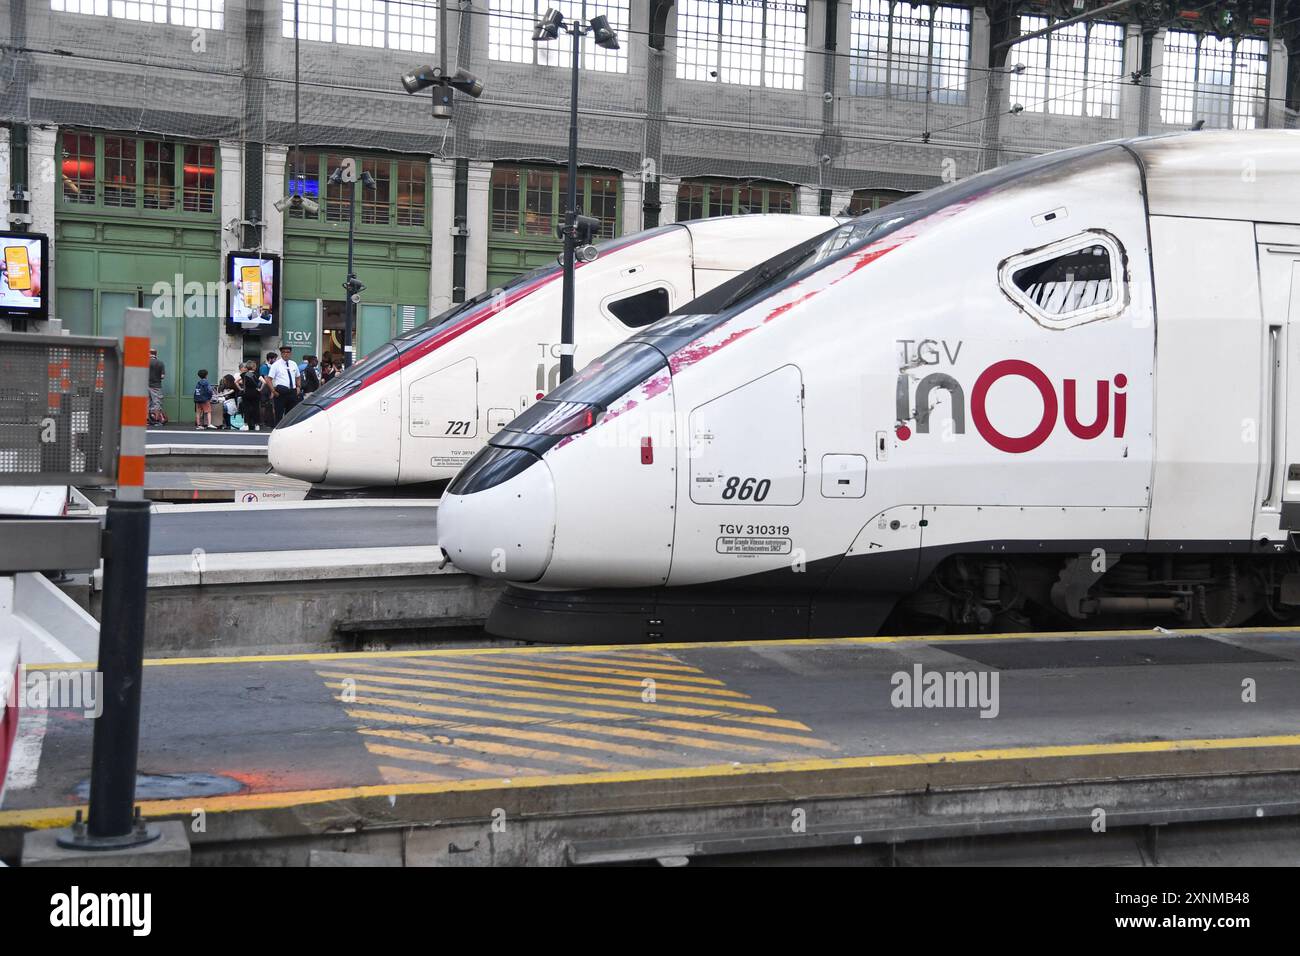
600,713
459,680
357,684
664,683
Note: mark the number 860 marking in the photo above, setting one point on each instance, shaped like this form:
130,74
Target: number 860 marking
746,489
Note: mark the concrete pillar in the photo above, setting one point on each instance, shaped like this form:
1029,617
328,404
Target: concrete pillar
442,215
275,172
1277,87
809,201
668,186
230,348
476,221
633,197
43,182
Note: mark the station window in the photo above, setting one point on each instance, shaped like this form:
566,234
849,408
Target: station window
79,168
1220,81
1068,282
199,184
394,24
208,14
869,200
910,51
530,202
1072,72
642,308
510,34
106,170
704,199
750,42
398,198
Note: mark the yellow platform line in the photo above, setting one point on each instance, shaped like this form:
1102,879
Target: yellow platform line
629,671
657,661
458,680
62,816
447,760
537,736
465,681
1291,633
605,730
628,710
747,733
494,748
608,731
475,667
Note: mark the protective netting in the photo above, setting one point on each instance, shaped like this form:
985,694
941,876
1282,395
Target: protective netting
904,102
53,405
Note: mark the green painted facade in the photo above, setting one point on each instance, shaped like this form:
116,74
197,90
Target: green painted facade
526,205
124,226
392,248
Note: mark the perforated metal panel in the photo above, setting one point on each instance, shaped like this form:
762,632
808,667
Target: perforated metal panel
60,398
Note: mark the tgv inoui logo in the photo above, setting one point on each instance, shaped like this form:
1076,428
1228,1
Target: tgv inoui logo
1111,408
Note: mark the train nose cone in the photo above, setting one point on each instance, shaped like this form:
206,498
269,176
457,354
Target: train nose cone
301,448
506,531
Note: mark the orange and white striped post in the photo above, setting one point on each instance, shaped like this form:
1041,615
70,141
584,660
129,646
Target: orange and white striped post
135,404
115,753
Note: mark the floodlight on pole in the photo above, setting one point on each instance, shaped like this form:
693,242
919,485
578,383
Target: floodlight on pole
423,77
577,231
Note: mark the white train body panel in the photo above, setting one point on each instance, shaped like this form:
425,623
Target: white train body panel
1078,355
454,385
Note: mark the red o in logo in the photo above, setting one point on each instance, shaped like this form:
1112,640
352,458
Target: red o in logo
994,437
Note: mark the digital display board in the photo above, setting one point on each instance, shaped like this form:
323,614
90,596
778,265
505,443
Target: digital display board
22,267
254,281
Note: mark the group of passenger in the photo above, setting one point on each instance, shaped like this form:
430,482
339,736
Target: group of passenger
261,395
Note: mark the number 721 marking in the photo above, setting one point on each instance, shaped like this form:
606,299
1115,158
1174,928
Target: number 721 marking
457,428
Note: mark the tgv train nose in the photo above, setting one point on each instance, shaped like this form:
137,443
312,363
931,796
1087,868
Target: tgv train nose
301,448
503,530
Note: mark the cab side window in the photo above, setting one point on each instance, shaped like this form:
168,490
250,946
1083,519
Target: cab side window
641,308
1068,283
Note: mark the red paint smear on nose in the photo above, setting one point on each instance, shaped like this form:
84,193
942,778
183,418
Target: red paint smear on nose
683,358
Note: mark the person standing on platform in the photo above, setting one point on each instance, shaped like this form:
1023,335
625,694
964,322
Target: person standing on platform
203,402
157,372
286,381
252,388
310,376
268,406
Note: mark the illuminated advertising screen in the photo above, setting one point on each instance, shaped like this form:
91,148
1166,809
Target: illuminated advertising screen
22,267
254,280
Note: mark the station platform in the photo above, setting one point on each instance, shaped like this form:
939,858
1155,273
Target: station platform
1186,746
178,448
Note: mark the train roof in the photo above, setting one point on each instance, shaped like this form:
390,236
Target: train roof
1223,174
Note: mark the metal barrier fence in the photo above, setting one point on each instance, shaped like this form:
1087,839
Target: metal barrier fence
60,402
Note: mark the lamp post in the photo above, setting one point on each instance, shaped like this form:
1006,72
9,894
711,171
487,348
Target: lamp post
549,27
346,175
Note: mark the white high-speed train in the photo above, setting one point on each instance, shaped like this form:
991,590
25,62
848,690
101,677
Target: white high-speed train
417,409
1066,391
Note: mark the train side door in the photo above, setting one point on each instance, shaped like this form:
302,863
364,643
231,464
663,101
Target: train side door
1278,489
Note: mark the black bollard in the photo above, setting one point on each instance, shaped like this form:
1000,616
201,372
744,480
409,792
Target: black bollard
112,823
